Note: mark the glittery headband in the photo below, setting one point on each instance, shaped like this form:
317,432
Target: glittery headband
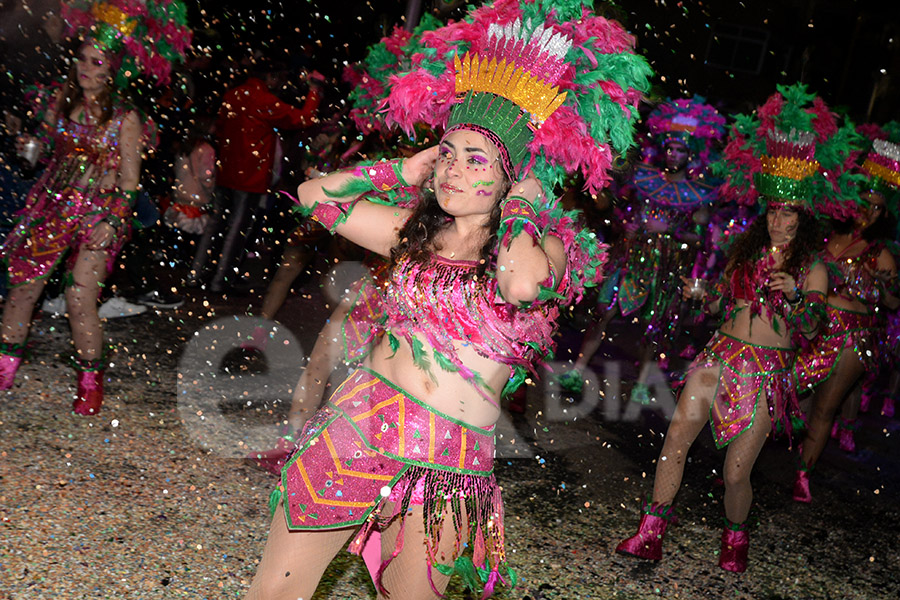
882,166
788,166
509,87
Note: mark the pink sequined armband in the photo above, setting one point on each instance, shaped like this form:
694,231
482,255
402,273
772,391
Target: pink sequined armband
517,215
383,175
331,214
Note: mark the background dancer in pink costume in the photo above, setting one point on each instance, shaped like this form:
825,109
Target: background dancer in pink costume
771,295
479,270
81,207
671,209
862,284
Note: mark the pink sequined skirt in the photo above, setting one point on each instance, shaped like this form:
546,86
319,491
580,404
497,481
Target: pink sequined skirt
745,371
46,229
373,451
845,329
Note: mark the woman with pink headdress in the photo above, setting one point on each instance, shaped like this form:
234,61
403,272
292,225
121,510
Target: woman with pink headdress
863,284
401,457
81,208
786,157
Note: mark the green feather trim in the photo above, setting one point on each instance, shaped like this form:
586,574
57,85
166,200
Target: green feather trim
394,343
303,211
517,379
420,356
546,293
274,501
444,362
351,188
465,568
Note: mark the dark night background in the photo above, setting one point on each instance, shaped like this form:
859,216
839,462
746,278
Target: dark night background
732,52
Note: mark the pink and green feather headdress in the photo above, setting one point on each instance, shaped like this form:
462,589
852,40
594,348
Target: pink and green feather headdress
790,151
147,36
369,77
553,85
690,121
881,165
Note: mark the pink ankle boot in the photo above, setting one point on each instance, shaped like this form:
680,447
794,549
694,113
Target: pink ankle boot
801,487
273,460
887,409
845,434
647,542
10,359
90,387
735,546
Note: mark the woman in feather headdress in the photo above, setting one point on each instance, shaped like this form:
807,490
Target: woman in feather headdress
81,207
400,459
787,157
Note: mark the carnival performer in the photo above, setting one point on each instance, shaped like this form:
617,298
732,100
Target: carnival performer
666,232
479,270
346,337
862,284
771,294
81,207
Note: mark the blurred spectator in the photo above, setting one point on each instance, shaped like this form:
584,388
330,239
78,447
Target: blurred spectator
247,133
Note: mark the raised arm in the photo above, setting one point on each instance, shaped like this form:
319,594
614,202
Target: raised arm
808,305
334,200
525,262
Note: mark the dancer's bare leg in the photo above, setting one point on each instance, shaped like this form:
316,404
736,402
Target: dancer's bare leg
323,360
739,460
88,274
293,561
691,415
292,264
593,338
828,397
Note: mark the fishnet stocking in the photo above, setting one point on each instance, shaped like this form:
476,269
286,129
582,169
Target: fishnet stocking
17,312
691,415
406,577
739,460
293,561
829,396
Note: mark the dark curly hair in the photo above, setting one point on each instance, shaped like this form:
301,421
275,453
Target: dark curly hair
429,219
754,241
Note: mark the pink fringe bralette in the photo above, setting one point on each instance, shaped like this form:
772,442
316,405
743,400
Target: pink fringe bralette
445,301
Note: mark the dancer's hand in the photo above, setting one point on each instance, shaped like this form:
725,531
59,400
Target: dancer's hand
884,275
785,283
420,167
102,235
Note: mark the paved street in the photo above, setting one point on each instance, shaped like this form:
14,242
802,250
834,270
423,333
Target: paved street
152,499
